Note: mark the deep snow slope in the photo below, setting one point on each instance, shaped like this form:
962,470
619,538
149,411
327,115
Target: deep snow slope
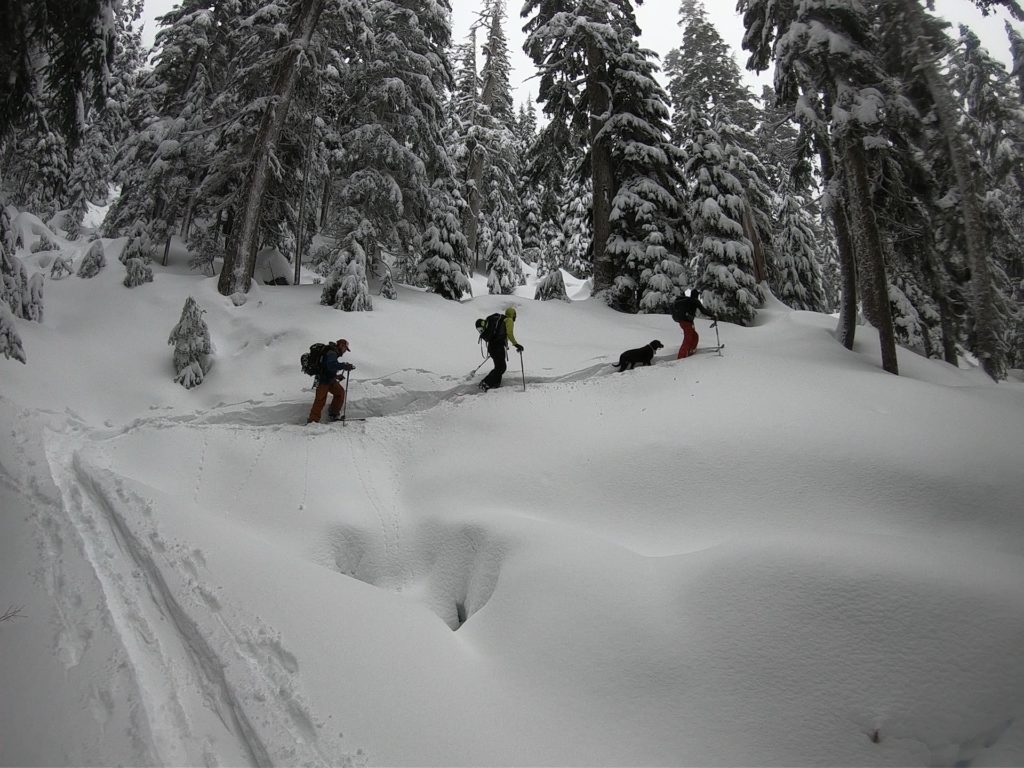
777,556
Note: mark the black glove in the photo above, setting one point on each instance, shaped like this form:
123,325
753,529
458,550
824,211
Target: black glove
519,347
347,367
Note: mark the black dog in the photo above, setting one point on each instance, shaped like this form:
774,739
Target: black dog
644,354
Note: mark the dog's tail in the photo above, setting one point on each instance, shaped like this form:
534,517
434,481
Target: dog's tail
616,365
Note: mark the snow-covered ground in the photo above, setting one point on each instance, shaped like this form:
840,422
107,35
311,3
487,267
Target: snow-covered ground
777,556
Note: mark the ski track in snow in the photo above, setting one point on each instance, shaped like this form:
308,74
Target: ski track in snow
188,655
179,639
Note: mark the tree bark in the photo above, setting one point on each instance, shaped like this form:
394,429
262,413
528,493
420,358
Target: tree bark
983,299
847,326
599,96
872,254
750,230
240,256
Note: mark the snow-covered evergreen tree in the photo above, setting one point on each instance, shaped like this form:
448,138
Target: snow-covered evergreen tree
502,258
574,46
38,168
1017,58
191,341
574,219
443,248
137,272
34,298
346,287
60,268
10,341
647,223
551,287
93,261
797,272
387,286
13,277
391,127
139,246
723,256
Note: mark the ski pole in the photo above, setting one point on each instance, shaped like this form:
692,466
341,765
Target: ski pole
348,388
522,368
718,341
479,367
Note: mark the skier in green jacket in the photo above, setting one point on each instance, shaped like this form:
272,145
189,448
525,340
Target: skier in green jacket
497,349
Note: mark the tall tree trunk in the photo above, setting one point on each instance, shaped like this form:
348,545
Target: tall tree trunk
471,214
750,230
870,242
599,96
301,224
987,320
240,257
847,326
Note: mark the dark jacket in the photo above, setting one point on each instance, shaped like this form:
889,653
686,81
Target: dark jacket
331,366
686,307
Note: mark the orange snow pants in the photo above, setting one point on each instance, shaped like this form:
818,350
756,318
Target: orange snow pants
337,401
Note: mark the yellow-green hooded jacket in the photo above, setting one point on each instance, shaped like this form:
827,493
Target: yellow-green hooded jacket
510,321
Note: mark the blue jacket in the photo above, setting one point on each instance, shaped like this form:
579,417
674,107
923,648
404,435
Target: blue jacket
331,366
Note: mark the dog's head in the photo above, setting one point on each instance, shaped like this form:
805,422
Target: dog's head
656,345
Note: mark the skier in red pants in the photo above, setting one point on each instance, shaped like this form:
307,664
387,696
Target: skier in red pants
683,312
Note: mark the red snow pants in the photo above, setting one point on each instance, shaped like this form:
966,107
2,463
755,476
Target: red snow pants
690,339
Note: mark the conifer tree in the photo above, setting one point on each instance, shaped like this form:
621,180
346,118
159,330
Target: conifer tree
60,268
349,27
825,60
392,127
93,261
551,287
648,228
502,258
574,46
137,272
13,277
798,277
10,341
191,341
1017,58
443,247
93,161
723,256
574,217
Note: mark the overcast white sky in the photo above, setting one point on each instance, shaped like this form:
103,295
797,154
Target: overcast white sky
658,22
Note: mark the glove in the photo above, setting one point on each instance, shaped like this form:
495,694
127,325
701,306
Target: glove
519,347
347,367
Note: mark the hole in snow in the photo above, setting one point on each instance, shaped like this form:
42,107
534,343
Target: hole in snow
452,569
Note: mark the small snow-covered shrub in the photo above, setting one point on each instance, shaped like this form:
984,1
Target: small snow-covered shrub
139,245
93,261
10,342
551,286
191,341
60,268
44,243
137,273
34,298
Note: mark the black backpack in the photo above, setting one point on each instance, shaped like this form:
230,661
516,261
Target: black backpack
679,309
493,328
311,360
